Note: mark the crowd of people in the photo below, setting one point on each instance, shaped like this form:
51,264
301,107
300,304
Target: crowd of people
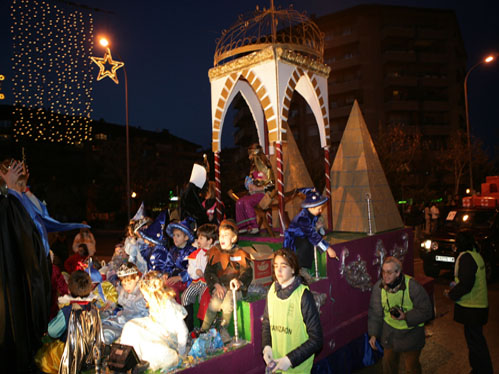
56,310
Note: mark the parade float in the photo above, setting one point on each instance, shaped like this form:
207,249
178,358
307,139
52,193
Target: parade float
267,58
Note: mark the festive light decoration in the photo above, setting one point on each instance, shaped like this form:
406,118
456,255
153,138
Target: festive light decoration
102,62
2,78
51,71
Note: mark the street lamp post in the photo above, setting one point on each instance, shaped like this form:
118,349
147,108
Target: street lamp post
105,43
484,61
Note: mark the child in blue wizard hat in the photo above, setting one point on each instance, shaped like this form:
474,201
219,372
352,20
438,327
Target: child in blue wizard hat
153,248
175,267
301,235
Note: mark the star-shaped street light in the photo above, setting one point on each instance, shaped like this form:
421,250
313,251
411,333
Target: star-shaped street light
115,65
104,62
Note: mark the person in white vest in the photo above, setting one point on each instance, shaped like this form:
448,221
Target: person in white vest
469,292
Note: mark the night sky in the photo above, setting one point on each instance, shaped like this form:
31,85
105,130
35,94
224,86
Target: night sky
168,48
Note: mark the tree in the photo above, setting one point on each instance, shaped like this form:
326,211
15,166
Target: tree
399,149
455,158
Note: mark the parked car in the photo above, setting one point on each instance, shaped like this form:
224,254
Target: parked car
438,251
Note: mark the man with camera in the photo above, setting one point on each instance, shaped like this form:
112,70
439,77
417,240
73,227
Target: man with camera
398,309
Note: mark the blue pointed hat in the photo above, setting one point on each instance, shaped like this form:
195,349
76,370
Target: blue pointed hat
186,226
312,198
96,277
155,232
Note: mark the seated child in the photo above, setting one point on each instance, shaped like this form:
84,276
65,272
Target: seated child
161,337
130,299
119,258
173,264
105,292
301,235
71,264
80,292
80,299
228,267
154,240
132,245
207,235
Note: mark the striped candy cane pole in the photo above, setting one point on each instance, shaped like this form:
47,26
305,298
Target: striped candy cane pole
327,171
218,190
280,185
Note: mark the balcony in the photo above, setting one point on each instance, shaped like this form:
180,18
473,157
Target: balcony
434,81
435,106
399,56
432,34
401,105
336,88
433,57
403,81
339,112
397,31
344,63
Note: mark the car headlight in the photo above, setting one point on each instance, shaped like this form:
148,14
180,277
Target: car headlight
434,246
426,244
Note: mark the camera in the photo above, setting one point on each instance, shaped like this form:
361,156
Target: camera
395,311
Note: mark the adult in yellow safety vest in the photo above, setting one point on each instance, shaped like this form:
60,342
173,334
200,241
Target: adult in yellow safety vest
291,326
398,309
469,291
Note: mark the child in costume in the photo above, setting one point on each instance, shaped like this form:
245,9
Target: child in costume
207,235
133,240
131,300
291,326
161,337
301,235
229,267
48,358
260,180
154,241
80,292
105,292
173,264
71,264
110,270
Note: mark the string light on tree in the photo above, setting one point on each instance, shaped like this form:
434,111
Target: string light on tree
51,82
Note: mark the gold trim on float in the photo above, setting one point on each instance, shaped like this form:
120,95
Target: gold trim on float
282,53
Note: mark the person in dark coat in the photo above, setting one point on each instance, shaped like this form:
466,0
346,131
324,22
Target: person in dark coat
469,292
290,340
398,309
24,279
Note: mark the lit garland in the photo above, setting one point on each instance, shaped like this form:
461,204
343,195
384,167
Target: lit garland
52,82
102,62
2,78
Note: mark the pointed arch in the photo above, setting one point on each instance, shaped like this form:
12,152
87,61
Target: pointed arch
256,96
307,85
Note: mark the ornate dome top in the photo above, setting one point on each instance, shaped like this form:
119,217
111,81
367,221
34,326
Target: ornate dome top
257,30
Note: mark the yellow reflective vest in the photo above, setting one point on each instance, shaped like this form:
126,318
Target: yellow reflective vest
399,299
477,297
287,329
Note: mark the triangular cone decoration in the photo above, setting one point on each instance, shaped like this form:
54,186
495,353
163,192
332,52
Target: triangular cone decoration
295,172
356,172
